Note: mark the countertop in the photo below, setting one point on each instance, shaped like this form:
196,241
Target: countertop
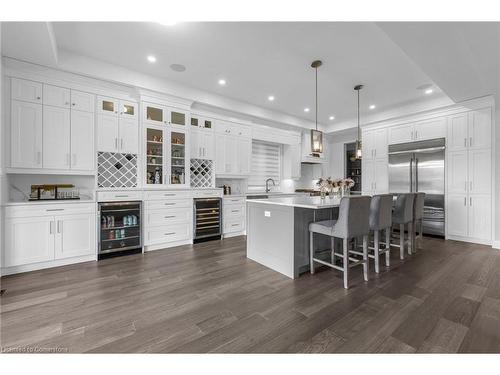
55,201
314,203
271,193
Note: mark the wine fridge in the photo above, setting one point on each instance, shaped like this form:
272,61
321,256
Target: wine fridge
120,229
207,219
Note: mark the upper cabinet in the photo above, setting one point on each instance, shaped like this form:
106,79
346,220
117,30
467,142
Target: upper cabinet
291,161
233,149
155,114
56,96
470,130
419,131
26,135
374,144
27,91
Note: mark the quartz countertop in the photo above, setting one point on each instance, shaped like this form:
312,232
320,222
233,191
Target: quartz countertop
314,203
48,201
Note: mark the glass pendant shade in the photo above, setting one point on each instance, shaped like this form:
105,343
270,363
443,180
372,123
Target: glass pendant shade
316,141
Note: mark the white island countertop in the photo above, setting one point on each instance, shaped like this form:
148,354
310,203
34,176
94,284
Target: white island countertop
315,203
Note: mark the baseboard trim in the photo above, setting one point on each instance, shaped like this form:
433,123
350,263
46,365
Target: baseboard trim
49,264
496,245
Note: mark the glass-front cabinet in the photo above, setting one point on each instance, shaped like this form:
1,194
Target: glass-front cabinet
155,156
200,122
178,158
156,114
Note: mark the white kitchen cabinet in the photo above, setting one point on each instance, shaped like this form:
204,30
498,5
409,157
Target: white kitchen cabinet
457,172
154,114
480,217
233,216
108,133
233,149
456,138
26,135
220,155
56,138
244,152
430,129
56,96
367,176
28,240
128,109
107,106
82,101
479,171
82,140
128,136
231,153
202,144
374,144
25,90
457,215
480,129
74,235
401,134
291,162
381,176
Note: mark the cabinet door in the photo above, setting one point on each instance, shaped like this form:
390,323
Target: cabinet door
129,136
178,158
291,161
177,117
231,154
128,109
480,217
196,144
430,129
381,176
26,135
456,215
457,172
380,143
480,129
56,137
368,145
401,134
107,133
29,240
28,91
154,114
155,155
367,176
244,150
82,140
74,235
457,132
480,171
107,106
56,96
220,154
82,101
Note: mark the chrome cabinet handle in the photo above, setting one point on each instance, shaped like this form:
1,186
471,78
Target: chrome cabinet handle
121,196
59,226
169,217
470,142
54,209
73,104
465,142
470,186
169,204
465,201
38,98
470,201
50,227
169,195
235,225
235,211
169,233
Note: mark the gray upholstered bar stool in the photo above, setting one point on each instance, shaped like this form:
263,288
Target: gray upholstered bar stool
381,220
403,215
353,221
418,216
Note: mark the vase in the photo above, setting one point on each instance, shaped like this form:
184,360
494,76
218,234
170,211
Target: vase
322,193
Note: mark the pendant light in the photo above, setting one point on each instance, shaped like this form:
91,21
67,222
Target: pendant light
316,135
358,141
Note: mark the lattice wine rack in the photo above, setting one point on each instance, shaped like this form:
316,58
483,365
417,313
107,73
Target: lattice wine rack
201,173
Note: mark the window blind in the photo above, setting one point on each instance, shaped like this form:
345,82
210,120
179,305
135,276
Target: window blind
266,163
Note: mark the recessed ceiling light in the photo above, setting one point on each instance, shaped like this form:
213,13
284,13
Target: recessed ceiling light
331,118
270,98
222,82
373,106
429,91
178,67
306,109
151,59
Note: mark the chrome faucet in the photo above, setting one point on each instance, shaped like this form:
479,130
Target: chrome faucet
267,184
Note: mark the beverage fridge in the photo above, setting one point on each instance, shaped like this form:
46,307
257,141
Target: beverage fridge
419,167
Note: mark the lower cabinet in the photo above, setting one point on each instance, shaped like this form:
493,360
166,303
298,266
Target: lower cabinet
375,176
35,234
468,217
233,216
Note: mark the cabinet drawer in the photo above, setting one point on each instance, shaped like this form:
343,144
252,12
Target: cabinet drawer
207,193
168,216
233,211
49,210
157,195
232,226
169,233
169,203
234,200
110,196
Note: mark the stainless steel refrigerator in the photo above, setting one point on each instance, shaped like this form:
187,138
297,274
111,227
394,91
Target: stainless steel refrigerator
419,167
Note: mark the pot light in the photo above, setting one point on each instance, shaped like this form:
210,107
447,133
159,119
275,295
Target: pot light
331,118
270,98
151,59
222,82
428,91
306,109
373,106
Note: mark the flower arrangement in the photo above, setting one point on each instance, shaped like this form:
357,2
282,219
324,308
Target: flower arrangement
332,185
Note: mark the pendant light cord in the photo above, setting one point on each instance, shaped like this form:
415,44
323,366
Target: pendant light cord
358,116
316,98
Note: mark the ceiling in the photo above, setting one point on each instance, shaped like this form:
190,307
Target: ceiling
261,59
258,59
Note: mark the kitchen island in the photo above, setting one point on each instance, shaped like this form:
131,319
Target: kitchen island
278,231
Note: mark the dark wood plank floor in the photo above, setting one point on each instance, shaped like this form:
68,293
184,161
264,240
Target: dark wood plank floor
210,298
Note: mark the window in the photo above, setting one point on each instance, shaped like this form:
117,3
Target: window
266,163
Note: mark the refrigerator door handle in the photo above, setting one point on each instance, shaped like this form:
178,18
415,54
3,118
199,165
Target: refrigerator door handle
416,174
411,175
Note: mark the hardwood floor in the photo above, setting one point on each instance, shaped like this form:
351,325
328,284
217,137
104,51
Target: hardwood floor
210,298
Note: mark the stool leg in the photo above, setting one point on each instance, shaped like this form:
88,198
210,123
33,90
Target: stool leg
376,242
365,257
402,241
410,237
346,263
388,247
333,250
311,252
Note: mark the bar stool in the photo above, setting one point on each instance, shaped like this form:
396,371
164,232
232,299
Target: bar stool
381,220
418,216
403,215
353,221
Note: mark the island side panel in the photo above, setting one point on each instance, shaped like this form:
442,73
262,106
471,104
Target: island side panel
302,218
270,236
